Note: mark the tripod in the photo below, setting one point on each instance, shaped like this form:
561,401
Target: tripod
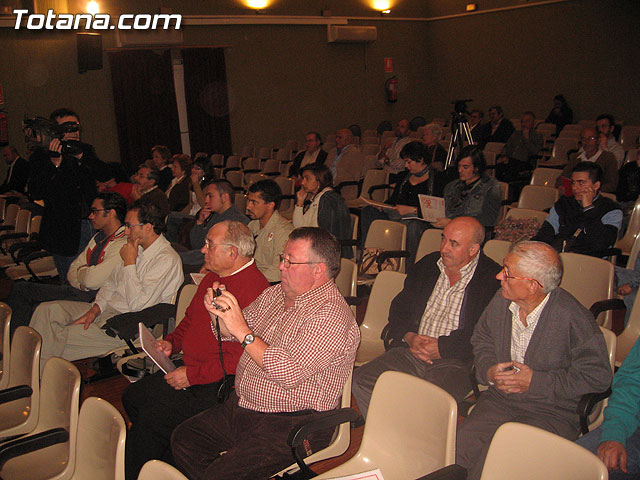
460,133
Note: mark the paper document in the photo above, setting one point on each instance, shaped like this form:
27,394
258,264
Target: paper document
432,207
384,206
150,346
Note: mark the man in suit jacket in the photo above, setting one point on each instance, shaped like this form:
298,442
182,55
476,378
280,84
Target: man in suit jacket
431,321
538,349
17,173
499,129
313,154
345,160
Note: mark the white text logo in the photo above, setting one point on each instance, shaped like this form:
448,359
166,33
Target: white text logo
99,21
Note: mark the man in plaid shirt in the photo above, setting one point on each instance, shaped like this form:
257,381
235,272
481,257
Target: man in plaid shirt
300,340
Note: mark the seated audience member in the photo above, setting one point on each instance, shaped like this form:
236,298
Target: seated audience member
520,152
158,403
106,182
416,122
606,140
499,129
178,190
431,320
617,441
629,185
161,160
145,189
318,205
88,272
313,154
17,173
587,222
404,202
218,206
389,156
476,126
150,273
561,114
269,229
436,153
538,349
591,152
300,340
475,194
345,160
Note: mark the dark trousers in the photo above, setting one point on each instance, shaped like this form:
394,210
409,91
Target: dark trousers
155,409
26,296
255,443
63,262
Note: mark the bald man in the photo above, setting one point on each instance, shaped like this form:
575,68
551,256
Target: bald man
345,160
432,319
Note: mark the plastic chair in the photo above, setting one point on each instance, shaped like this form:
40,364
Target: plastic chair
537,198
527,213
216,160
251,164
158,470
370,149
371,178
5,343
625,244
247,151
629,136
51,448
100,442
560,152
20,414
341,438
235,177
545,455
589,280
429,242
386,236
271,168
494,147
496,250
545,177
234,161
347,281
386,287
265,153
410,430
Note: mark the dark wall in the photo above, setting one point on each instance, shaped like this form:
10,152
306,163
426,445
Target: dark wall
285,80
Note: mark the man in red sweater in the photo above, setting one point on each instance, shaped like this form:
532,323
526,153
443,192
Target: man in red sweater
158,403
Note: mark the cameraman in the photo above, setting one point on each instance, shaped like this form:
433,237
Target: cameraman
63,179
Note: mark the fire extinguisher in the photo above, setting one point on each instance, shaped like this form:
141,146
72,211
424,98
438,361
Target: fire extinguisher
391,87
4,129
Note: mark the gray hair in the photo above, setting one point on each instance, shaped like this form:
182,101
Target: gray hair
436,130
238,235
540,261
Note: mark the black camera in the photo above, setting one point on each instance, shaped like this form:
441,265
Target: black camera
460,106
39,131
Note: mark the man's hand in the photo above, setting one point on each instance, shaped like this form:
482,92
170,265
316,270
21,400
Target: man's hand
135,192
613,455
422,347
165,346
55,147
89,317
203,215
603,141
585,196
441,222
511,381
624,289
129,252
230,314
178,378
301,195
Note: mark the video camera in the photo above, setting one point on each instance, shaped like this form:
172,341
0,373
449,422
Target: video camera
39,131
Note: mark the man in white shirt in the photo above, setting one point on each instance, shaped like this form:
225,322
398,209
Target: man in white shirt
605,124
389,156
150,273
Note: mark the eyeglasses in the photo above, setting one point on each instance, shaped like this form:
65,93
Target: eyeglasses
508,276
130,226
287,263
93,211
208,244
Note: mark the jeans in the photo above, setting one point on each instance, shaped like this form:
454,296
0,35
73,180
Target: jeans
591,441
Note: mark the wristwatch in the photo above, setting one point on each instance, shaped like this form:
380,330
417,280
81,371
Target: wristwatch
248,339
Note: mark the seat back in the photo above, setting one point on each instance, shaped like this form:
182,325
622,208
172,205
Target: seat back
271,166
23,221
545,177
347,278
546,456
597,414
402,437
216,160
158,470
234,161
101,439
247,151
371,178
496,250
429,242
386,287
386,235
370,149
626,242
184,299
527,213
5,344
589,280
35,224
283,155
494,147
561,147
264,153
629,136
537,198
251,163
235,177
11,214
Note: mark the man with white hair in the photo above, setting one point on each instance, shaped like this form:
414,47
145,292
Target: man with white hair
435,152
345,160
538,349
389,155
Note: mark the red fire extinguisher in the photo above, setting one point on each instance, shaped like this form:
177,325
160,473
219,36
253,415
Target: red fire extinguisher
391,86
4,129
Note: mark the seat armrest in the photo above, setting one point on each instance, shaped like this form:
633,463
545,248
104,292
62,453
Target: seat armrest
357,183
604,305
383,186
13,236
14,393
4,228
585,406
32,443
386,254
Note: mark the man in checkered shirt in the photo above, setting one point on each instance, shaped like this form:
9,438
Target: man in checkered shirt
300,340
432,319
539,350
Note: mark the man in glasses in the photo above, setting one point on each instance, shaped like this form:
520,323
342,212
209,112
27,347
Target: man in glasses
146,189
431,320
538,349
158,403
150,273
300,340
88,272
